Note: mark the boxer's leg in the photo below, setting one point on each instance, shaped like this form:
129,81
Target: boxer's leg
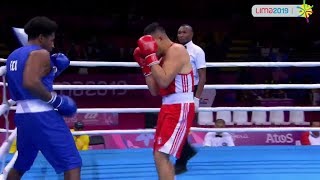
171,136
163,165
25,146
57,145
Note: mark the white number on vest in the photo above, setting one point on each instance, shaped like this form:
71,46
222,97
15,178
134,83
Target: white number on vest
13,65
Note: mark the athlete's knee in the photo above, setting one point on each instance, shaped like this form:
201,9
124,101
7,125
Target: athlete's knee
72,174
14,174
160,157
63,167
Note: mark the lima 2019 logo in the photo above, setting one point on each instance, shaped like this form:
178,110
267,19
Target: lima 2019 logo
305,10
283,10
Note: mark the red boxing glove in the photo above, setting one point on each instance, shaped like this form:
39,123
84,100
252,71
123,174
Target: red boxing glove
142,62
148,47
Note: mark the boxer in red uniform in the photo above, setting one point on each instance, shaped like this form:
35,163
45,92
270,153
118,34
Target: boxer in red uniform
172,78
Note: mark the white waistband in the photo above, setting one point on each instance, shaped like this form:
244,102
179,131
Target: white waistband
32,106
178,98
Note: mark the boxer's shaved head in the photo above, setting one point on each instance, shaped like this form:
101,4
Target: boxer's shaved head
154,28
159,34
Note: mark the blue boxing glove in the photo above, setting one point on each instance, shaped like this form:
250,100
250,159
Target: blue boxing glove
61,62
64,104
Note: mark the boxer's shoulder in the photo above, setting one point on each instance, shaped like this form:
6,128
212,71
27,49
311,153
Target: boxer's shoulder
176,46
177,50
40,53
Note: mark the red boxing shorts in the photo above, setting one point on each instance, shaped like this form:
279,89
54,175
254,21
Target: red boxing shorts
173,127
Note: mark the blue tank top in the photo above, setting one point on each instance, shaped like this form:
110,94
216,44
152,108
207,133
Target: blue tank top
15,66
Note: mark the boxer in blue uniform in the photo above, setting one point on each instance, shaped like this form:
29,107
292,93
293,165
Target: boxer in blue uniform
39,114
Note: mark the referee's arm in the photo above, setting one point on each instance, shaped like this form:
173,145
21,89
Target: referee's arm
201,67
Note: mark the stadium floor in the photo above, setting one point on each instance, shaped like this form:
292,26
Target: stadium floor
223,163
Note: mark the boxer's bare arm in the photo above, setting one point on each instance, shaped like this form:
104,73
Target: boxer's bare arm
172,65
37,66
152,85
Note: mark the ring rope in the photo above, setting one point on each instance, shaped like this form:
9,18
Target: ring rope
4,110
6,170
195,129
3,70
214,86
3,152
7,143
211,64
6,117
201,109
5,106
99,132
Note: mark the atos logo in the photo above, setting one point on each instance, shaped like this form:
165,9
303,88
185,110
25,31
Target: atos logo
279,139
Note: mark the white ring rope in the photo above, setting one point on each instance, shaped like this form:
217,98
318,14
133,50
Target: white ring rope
144,87
214,86
196,129
3,70
215,64
6,144
99,132
7,122
4,107
3,152
218,86
201,109
6,170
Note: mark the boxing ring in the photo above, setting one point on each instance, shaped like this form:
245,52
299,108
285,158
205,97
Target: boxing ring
240,162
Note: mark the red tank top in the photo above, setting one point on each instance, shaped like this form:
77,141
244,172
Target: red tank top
182,83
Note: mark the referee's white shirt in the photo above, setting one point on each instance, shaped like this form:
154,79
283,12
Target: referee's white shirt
211,140
197,58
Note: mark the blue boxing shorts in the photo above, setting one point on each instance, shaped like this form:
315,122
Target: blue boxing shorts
45,131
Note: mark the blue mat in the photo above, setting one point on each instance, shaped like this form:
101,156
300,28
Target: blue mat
222,163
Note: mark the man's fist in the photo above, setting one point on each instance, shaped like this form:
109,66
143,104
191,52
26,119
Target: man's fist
141,61
64,104
149,48
147,45
61,62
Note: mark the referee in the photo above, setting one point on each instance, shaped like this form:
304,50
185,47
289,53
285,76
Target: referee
197,58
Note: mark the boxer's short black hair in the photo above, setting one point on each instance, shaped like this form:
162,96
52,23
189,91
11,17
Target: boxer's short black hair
152,28
40,25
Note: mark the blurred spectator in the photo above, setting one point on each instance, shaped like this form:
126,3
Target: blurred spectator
215,139
82,141
266,50
93,49
311,137
77,52
315,97
278,74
